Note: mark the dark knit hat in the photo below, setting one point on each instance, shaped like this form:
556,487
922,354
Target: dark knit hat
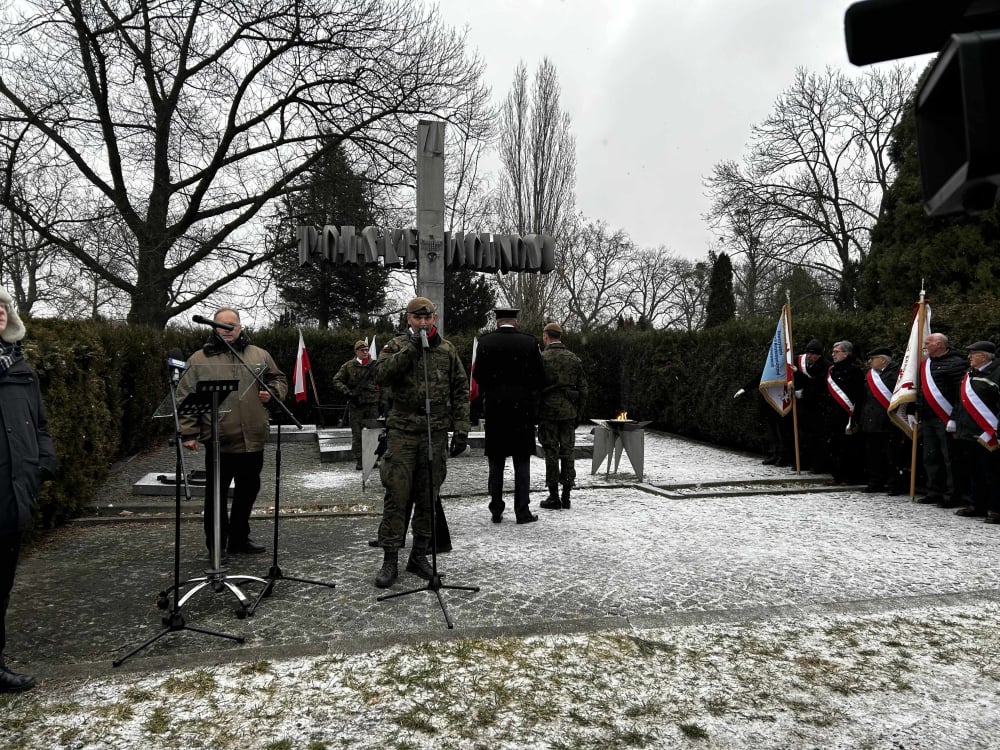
815,346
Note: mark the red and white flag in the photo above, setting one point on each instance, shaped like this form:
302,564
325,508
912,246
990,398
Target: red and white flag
301,370
908,382
473,385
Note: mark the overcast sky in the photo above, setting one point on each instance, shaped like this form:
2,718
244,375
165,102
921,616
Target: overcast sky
659,91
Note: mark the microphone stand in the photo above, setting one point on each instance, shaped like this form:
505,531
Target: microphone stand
434,584
174,620
275,573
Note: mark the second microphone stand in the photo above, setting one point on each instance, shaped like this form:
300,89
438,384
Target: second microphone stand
434,584
275,573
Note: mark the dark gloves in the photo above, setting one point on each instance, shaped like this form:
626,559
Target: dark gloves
415,340
459,442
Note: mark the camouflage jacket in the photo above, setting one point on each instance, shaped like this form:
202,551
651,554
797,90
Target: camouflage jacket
565,390
357,381
401,370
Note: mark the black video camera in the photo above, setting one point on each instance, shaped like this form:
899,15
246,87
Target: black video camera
958,116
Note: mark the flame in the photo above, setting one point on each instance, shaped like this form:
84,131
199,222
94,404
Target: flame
622,416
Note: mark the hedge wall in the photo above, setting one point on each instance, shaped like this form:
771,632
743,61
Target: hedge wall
102,383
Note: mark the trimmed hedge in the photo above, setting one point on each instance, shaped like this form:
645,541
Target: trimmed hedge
102,383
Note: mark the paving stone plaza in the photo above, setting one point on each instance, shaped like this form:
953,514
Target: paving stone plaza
708,535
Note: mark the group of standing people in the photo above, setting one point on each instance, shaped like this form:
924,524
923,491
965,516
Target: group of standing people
520,388
845,427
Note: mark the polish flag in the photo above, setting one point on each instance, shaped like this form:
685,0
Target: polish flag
473,385
301,369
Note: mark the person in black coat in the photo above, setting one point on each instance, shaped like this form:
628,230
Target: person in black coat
881,436
778,427
846,384
812,396
27,458
509,372
940,378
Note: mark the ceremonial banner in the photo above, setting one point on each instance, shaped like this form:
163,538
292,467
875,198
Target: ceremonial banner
473,385
301,370
908,382
777,375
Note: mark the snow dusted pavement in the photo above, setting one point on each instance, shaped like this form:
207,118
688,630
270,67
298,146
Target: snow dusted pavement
719,603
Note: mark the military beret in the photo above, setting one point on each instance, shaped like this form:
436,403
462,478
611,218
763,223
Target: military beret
420,305
552,327
359,344
506,313
15,328
982,346
880,351
814,347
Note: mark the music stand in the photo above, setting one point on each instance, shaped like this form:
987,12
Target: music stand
205,400
275,573
174,620
434,584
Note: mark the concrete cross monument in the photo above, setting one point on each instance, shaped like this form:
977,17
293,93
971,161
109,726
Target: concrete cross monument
428,247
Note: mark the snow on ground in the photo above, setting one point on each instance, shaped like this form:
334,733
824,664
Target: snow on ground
913,669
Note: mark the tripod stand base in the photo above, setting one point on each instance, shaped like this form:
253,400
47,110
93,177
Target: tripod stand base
172,623
273,576
218,580
435,585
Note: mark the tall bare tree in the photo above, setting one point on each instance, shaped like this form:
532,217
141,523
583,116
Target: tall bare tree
651,283
813,180
537,184
592,266
184,121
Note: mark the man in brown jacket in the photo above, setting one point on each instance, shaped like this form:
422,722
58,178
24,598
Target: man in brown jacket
243,426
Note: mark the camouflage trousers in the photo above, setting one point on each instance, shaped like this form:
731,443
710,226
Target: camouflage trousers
359,414
558,439
404,468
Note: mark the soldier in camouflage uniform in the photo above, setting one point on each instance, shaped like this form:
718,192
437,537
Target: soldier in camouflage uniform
356,381
563,396
405,465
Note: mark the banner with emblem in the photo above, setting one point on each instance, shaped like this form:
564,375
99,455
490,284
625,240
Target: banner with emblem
775,380
908,383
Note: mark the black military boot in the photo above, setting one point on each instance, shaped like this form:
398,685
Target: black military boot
552,501
419,565
13,682
565,496
390,568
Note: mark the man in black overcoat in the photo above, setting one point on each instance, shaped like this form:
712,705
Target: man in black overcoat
508,369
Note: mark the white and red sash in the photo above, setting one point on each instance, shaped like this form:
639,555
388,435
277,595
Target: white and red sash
838,393
878,388
980,413
932,394
804,366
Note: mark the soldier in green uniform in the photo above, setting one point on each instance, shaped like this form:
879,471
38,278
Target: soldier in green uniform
405,463
563,397
356,381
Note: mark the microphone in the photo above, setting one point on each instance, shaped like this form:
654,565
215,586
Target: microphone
177,365
423,339
214,323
